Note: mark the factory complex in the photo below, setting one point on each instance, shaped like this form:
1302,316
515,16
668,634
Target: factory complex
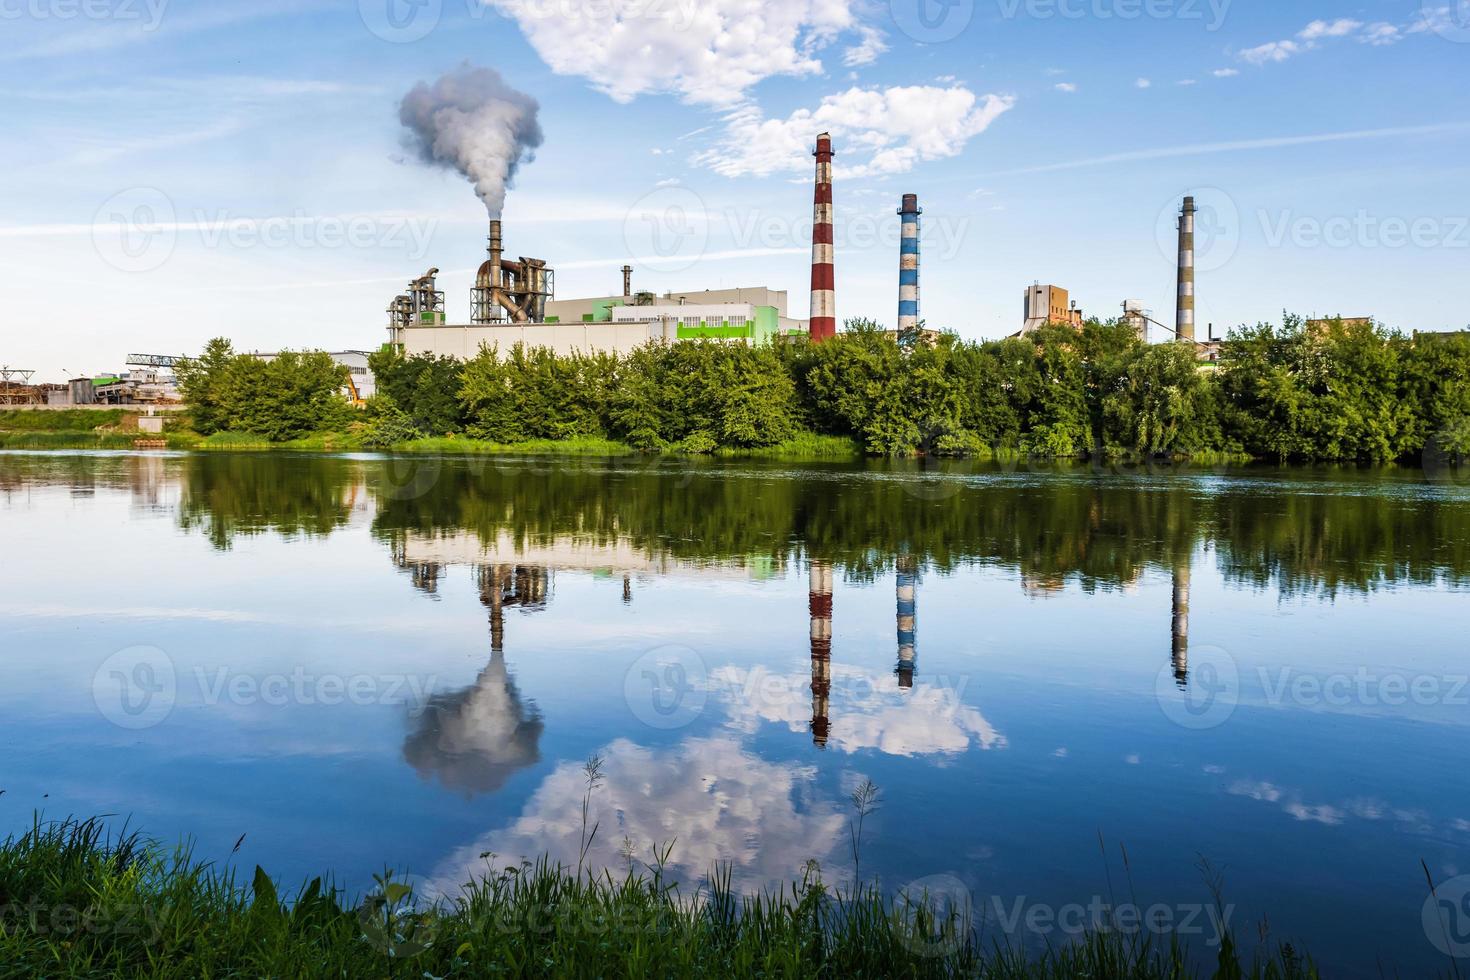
513,302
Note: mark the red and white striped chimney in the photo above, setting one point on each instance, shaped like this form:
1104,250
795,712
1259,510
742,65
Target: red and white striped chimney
824,284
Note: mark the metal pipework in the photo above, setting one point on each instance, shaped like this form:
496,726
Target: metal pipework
824,287
908,264
1184,321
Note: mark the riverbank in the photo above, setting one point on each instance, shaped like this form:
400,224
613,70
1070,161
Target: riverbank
118,429
78,902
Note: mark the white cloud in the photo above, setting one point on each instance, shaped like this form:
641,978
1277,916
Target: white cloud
1381,35
1378,34
1341,27
1066,87
871,43
1226,72
1143,83
709,53
711,799
1275,51
1186,82
865,712
884,131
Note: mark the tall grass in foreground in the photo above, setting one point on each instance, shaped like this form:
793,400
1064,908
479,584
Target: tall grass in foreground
78,902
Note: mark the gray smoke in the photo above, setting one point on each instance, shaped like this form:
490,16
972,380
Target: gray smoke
472,121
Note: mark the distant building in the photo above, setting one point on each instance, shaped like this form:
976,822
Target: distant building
1322,323
1048,304
618,324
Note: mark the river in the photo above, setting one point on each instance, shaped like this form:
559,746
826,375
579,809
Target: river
1073,689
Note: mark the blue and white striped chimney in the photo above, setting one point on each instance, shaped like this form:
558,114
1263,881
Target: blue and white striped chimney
908,264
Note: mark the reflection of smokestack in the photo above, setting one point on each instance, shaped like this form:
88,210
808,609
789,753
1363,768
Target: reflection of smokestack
627,280
908,265
824,281
819,602
627,588
907,592
1184,322
1181,624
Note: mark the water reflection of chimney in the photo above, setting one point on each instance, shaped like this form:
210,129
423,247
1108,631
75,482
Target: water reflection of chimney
819,602
507,585
627,588
1181,623
907,589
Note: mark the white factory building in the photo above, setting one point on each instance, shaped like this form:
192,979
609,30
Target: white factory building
512,303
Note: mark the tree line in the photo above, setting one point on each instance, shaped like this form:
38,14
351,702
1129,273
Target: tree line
1339,391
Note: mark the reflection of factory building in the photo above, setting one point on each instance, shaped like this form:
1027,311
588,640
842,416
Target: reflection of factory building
819,602
513,302
474,739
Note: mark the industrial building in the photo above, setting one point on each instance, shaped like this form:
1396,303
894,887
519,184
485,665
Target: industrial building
1048,304
513,302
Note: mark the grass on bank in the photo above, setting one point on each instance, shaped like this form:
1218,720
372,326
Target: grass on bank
117,429
77,902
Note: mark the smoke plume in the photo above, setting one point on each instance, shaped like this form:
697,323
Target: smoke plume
472,121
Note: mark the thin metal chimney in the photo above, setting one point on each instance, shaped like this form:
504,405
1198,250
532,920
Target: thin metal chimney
824,281
908,264
627,280
1184,321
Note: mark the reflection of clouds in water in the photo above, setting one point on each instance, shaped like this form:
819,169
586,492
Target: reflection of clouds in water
714,801
866,711
1364,808
477,738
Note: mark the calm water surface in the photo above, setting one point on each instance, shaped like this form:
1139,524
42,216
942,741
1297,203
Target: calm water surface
360,663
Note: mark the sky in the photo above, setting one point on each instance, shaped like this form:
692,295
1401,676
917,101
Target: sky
176,170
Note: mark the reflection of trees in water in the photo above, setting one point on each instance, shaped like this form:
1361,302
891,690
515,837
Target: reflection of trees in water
475,739
232,494
1099,533
1302,531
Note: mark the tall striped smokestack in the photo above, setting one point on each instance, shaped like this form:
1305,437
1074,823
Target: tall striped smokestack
907,594
1184,322
908,264
824,281
1179,623
819,604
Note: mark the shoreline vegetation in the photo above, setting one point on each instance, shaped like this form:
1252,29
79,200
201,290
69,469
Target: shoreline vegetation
1332,391
78,901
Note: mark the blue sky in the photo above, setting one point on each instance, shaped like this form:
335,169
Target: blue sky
177,169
